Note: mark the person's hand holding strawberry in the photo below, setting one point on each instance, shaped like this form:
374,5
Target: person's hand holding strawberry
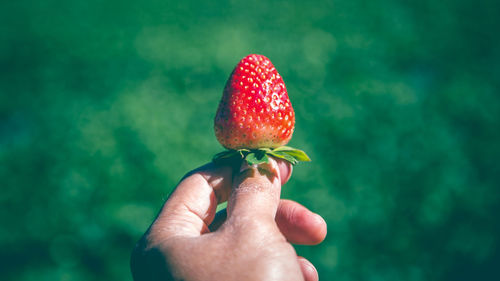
251,241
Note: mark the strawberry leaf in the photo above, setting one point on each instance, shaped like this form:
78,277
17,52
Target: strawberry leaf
227,156
256,158
265,149
243,152
297,154
285,156
283,148
261,155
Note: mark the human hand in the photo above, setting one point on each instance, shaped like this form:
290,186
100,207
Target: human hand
188,241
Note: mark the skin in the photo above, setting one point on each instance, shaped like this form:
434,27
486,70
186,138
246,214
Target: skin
249,241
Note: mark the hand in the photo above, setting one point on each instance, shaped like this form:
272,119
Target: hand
188,241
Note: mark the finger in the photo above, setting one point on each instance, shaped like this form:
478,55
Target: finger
285,169
308,270
191,206
256,190
298,224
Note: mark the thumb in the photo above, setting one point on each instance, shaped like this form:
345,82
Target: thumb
256,190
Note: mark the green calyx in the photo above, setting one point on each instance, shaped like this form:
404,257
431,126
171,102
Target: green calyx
261,155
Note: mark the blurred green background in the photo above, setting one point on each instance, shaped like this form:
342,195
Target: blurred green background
105,105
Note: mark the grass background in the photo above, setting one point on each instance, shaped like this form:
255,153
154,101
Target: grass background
105,105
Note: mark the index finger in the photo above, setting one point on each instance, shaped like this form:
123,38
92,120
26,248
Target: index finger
190,208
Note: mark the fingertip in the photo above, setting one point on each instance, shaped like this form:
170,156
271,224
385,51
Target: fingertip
218,176
321,228
308,270
192,204
313,226
299,224
285,169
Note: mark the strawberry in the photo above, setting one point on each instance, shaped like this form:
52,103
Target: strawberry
255,117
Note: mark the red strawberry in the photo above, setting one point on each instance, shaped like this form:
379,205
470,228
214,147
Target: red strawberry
255,117
255,110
